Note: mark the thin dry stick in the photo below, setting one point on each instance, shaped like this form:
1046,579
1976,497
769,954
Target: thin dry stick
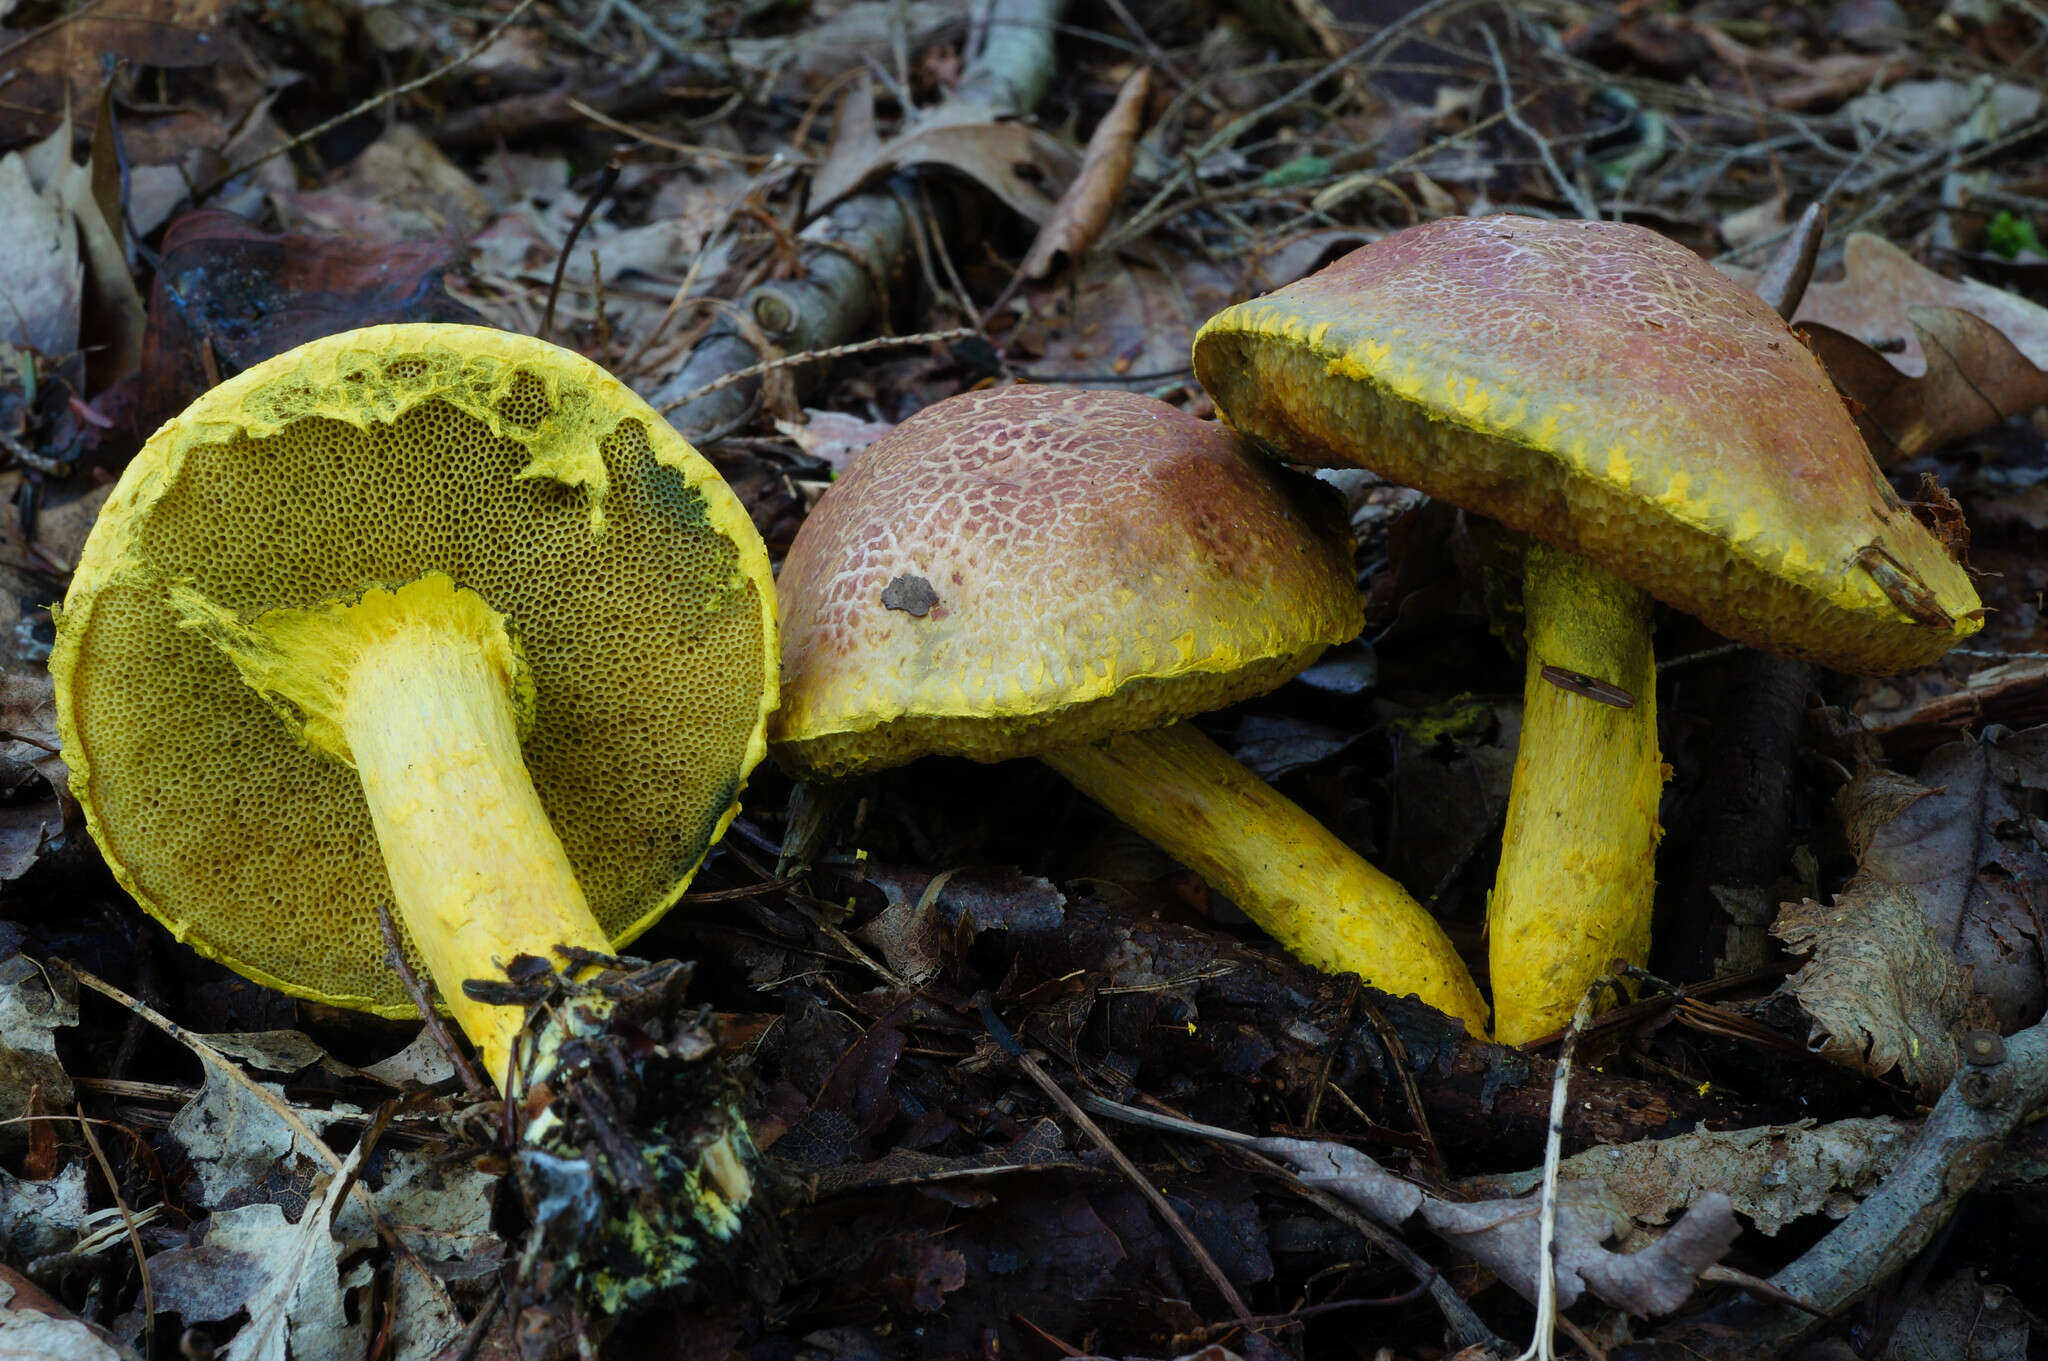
1582,205
1160,1205
227,1067
1466,1327
394,955
92,1141
1397,1054
1542,1345
710,153
809,356
1315,1095
1153,211
606,178
319,130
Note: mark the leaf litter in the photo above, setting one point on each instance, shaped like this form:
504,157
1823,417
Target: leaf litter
937,1205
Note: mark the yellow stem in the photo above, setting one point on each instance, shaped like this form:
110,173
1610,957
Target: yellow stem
1289,873
1578,861
477,870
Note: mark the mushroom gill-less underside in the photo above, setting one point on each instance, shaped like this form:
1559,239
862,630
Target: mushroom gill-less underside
626,576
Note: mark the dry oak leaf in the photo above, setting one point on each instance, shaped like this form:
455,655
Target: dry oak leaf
1928,359
1011,160
1883,992
1963,841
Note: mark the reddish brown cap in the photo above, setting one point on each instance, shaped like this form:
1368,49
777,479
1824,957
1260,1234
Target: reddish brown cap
1025,568
1603,389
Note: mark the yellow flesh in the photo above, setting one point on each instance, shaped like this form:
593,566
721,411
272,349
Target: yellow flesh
1286,871
420,689
1577,863
478,872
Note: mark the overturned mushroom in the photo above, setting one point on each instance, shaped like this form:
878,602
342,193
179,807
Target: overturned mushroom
431,616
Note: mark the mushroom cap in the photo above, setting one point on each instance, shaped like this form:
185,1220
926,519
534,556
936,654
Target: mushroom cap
1606,390
1024,568
637,589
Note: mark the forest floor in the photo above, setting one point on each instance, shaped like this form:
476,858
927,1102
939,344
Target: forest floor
791,226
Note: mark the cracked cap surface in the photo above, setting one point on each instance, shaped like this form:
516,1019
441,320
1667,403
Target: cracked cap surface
1023,568
1606,390
629,573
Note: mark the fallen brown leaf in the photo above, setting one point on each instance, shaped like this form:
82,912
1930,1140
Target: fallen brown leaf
1128,319
232,294
1929,359
57,65
1961,840
833,437
1084,209
1011,160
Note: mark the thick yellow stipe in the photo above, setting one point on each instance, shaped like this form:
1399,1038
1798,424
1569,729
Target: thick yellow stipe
1578,862
420,689
1288,872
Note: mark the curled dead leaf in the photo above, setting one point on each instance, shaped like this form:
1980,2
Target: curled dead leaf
1928,359
1085,207
1883,992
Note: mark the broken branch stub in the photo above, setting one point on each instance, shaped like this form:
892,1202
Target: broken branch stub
853,256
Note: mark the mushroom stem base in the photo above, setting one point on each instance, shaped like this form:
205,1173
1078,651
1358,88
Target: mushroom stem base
476,868
1578,860
1286,871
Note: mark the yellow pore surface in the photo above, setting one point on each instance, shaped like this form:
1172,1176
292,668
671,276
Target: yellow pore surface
1087,563
1607,391
627,573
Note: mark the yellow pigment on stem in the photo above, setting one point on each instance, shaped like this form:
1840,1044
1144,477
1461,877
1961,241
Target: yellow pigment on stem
1578,860
476,868
420,689
1286,871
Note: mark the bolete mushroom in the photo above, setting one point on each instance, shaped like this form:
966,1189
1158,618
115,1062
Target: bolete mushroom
1660,430
428,615
1041,572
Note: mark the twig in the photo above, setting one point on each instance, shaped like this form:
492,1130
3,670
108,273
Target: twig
1959,1141
711,153
606,178
99,1155
1466,1327
1322,1084
1404,1067
810,356
1542,1345
320,130
1143,220
408,977
1582,205
1164,1208
653,32
229,1069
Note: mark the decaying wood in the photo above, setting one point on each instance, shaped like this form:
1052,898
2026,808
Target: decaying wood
1961,1140
854,260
